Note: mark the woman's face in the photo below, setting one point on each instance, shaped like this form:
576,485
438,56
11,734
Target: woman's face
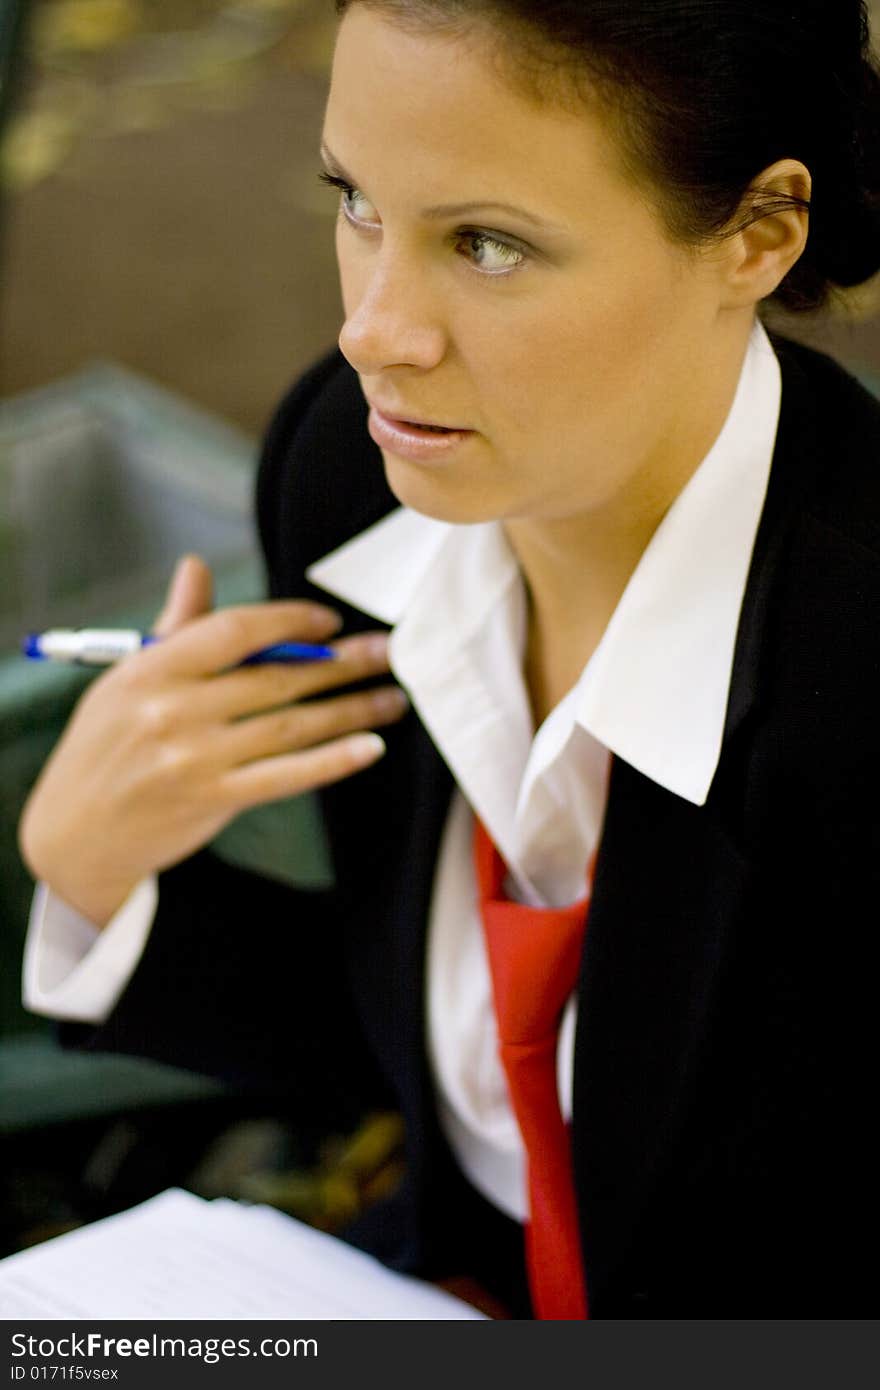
565,331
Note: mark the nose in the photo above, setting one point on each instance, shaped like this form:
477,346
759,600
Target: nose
391,317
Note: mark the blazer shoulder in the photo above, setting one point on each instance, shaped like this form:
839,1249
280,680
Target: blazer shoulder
817,573
830,430
320,478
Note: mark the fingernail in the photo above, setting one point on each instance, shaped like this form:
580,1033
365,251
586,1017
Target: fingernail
366,749
390,701
324,620
375,647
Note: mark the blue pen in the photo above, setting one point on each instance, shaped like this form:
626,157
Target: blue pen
103,646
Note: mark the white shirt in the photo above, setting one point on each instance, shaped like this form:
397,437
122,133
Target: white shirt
654,693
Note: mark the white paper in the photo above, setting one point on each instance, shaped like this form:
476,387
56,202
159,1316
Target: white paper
179,1257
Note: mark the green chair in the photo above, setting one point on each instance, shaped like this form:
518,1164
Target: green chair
105,479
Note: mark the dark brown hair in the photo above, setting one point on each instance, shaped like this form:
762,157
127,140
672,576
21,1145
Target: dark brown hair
704,95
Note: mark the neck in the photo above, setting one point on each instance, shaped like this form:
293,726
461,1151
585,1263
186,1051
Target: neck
576,567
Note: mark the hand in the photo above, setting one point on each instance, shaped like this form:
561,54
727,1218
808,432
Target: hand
169,745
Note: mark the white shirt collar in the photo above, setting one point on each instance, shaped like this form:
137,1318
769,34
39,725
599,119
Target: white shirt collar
655,691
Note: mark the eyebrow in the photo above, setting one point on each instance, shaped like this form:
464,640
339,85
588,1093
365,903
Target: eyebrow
448,209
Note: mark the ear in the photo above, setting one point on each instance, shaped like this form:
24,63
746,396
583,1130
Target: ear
761,254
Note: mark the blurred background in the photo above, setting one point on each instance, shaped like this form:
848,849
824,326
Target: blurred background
166,270
161,203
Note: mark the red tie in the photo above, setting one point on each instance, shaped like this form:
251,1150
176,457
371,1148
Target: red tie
534,953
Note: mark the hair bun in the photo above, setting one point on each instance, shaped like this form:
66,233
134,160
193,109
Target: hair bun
856,255
846,220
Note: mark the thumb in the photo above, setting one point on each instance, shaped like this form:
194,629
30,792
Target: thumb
190,594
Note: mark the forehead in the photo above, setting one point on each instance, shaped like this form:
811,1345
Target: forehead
440,111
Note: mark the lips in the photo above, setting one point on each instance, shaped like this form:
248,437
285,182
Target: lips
419,440
405,417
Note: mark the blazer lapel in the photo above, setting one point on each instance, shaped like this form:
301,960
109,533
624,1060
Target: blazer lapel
669,887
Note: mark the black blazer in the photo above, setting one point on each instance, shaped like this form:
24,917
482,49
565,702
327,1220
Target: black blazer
724,1081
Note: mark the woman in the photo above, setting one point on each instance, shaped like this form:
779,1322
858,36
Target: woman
633,590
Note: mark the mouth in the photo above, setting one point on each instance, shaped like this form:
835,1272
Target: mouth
417,422
432,429
418,440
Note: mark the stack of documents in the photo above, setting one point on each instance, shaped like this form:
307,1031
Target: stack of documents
180,1257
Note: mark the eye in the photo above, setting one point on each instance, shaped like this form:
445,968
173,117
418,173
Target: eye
349,197
490,255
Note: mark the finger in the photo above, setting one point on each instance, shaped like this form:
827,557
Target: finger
304,726
252,690
219,640
290,774
190,594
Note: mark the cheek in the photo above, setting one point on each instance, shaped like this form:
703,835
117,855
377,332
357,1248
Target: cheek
590,354
350,282
575,394
544,372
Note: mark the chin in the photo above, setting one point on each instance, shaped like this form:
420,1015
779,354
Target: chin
437,491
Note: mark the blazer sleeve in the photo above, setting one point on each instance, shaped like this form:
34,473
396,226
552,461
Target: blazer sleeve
240,977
